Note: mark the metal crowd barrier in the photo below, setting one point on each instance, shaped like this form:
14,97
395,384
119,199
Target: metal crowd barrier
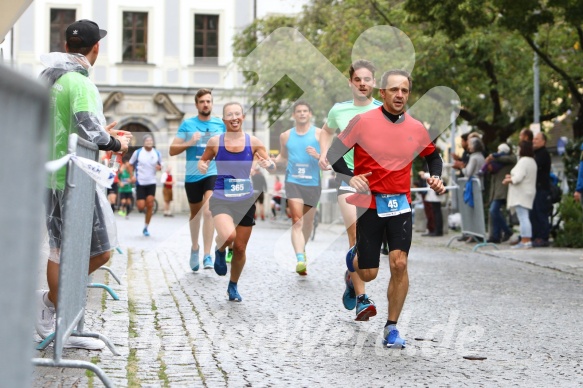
473,221
24,113
79,202
419,219
329,204
330,212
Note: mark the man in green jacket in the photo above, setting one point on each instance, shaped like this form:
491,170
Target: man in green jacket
76,107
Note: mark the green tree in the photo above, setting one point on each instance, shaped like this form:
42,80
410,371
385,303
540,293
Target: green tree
489,66
244,44
551,28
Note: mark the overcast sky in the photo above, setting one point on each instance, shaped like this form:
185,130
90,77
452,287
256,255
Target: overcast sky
265,7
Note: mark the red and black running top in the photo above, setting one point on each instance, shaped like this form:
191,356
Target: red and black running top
387,150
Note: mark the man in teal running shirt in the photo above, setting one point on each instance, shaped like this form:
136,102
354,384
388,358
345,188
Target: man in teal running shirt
192,137
362,83
299,153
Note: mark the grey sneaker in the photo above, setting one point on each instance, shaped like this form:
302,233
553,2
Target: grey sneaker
84,343
522,245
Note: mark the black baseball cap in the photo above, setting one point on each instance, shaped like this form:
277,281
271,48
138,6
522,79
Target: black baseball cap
87,32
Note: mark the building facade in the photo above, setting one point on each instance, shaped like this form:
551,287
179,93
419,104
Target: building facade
156,55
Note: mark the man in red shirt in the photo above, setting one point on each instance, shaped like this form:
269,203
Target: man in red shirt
385,142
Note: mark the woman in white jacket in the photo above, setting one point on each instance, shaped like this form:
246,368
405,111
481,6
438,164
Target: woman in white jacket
521,192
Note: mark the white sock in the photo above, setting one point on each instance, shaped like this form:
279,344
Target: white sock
47,301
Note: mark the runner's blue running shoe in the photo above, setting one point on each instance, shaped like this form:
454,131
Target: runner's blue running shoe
194,264
349,259
349,297
391,338
233,293
207,262
365,308
145,232
220,263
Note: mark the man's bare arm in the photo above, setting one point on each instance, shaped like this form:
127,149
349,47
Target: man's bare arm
325,140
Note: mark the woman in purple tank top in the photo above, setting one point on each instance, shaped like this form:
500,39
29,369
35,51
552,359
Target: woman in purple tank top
233,203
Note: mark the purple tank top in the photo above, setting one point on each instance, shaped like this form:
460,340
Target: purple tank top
233,170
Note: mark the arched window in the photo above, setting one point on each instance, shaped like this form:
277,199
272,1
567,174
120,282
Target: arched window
138,131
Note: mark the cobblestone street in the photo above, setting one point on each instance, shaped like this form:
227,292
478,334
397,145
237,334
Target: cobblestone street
176,328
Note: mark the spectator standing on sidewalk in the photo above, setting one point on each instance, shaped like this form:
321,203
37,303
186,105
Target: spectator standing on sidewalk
579,188
465,157
474,165
578,195
498,165
168,181
76,107
541,207
434,201
525,135
521,191
146,161
427,208
475,161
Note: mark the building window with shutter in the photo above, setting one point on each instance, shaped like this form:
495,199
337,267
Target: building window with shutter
135,37
60,20
206,39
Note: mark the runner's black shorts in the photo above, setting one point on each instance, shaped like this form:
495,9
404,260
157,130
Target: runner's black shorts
370,230
195,190
310,194
126,195
242,212
113,189
260,196
142,192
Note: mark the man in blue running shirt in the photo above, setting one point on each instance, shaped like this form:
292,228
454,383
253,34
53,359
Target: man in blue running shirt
300,152
192,137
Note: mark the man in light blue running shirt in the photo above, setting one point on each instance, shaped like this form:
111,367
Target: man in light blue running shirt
362,83
300,152
192,137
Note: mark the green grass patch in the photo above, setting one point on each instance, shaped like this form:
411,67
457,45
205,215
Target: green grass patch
90,375
133,360
162,371
104,293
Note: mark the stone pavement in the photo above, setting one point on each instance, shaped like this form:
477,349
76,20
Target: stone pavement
522,310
